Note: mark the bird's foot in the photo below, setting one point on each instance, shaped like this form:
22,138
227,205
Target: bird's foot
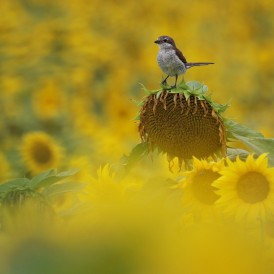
164,83
172,87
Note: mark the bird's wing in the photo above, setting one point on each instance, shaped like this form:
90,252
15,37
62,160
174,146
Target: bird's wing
180,55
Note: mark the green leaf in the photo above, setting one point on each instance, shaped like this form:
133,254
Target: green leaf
58,189
164,87
38,178
136,118
205,89
136,154
19,182
155,91
175,90
196,92
137,103
183,86
52,179
159,93
140,104
260,145
235,130
233,153
194,85
251,138
220,108
187,95
145,89
68,173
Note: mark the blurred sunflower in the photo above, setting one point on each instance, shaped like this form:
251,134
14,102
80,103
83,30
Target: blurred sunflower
84,164
268,238
121,112
40,152
5,171
107,188
108,199
198,190
48,101
11,84
246,189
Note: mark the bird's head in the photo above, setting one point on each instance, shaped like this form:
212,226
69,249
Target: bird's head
165,42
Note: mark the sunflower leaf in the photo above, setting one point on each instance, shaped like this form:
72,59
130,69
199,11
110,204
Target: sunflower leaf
233,153
260,145
137,103
187,95
194,85
145,89
165,86
195,92
175,90
220,107
140,103
19,182
137,117
205,88
58,189
159,93
137,153
236,130
183,86
52,179
38,178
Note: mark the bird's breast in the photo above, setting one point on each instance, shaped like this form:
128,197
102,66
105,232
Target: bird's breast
170,63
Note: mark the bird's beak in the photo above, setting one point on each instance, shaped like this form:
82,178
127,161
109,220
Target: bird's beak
157,41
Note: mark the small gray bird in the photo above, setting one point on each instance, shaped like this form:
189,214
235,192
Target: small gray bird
171,60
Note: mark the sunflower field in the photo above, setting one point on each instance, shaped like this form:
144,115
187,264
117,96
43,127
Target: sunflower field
104,170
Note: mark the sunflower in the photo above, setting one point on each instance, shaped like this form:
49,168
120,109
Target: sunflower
120,114
183,123
109,200
49,101
40,152
108,189
246,189
84,164
198,191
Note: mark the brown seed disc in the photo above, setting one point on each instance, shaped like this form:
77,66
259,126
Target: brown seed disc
181,128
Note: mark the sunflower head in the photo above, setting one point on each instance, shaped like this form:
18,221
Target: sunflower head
182,123
246,189
198,190
40,152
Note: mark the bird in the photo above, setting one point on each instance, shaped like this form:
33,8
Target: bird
171,60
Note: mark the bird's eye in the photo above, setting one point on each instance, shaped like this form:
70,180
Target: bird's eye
165,40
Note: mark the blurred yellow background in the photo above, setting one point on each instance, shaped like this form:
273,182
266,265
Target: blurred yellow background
70,73
72,69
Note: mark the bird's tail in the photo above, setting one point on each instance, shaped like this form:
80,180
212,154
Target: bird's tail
190,65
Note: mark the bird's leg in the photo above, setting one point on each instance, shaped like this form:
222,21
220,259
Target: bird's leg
164,81
176,78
